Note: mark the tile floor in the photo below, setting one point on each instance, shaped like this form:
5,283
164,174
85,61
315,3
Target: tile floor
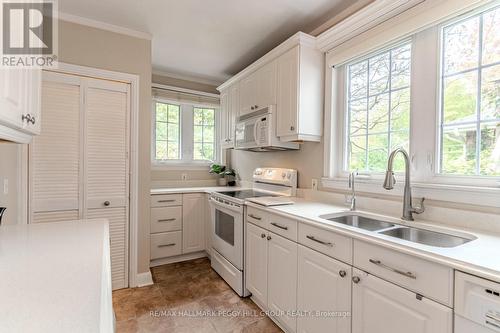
187,297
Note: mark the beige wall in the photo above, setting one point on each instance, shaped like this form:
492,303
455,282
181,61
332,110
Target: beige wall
87,46
308,161
9,170
170,81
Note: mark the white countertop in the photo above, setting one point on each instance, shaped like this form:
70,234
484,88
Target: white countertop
480,257
206,189
51,277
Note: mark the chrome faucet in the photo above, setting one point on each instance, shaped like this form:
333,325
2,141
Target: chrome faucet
352,178
390,180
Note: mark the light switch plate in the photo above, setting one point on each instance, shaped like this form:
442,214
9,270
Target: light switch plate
184,176
314,184
5,186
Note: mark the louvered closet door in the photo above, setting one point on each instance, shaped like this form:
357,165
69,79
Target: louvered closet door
106,166
55,154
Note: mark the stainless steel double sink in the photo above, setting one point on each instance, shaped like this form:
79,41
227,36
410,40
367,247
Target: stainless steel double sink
416,235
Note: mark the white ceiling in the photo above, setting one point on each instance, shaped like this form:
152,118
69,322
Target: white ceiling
209,39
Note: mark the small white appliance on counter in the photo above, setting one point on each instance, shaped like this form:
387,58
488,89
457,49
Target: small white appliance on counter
257,132
477,304
227,228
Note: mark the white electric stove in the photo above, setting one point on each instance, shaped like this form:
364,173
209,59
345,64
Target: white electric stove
228,211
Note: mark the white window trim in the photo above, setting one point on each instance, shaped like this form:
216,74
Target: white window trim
426,181
186,138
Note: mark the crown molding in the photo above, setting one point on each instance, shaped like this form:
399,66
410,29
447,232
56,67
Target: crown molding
300,38
104,26
361,21
184,90
188,77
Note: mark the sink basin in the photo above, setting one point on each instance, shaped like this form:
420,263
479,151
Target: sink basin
426,237
361,222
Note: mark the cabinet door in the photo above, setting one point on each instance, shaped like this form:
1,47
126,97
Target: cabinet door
207,224
282,280
193,236
234,104
248,94
324,284
382,307
256,263
287,105
224,113
266,86
13,96
105,166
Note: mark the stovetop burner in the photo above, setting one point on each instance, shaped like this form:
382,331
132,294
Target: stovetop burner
245,194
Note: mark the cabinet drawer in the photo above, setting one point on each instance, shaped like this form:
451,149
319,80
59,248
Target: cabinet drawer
257,217
166,200
283,226
166,244
421,276
165,219
327,242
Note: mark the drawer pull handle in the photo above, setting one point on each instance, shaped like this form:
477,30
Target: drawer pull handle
255,217
493,317
392,269
169,200
166,245
166,220
279,226
314,239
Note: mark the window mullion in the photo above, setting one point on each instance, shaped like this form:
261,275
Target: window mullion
187,131
478,98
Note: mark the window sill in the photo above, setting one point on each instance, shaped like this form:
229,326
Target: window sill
471,195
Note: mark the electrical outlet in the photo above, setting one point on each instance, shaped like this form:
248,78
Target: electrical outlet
314,184
184,176
5,186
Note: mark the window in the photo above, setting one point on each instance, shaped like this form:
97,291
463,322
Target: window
204,134
470,96
184,134
167,131
378,109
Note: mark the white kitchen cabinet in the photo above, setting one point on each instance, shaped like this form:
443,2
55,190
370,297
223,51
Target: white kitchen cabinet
324,284
20,91
300,94
229,101
193,218
282,280
207,225
258,90
256,263
382,307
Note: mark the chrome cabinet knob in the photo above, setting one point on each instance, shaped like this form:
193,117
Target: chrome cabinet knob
269,237
106,203
342,273
251,108
256,107
263,236
292,128
28,118
356,279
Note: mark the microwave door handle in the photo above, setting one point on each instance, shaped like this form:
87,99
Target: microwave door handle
256,132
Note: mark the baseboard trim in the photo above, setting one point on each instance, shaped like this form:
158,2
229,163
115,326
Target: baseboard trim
179,258
144,279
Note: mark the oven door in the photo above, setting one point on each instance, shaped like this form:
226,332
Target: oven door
227,232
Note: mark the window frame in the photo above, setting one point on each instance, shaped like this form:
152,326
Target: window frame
481,180
424,145
186,132
345,120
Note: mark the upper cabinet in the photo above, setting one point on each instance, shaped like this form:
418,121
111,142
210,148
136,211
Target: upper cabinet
289,77
20,91
229,105
300,94
258,90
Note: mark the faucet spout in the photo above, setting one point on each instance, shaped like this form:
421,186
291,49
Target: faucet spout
390,180
352,180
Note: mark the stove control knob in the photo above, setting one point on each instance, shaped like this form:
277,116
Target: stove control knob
289,176
283,175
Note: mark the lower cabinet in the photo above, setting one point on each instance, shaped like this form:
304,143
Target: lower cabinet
282,280
379,306
256,263
193,218
323,293
271,274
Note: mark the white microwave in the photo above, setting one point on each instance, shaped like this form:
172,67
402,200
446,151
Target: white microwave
257,132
